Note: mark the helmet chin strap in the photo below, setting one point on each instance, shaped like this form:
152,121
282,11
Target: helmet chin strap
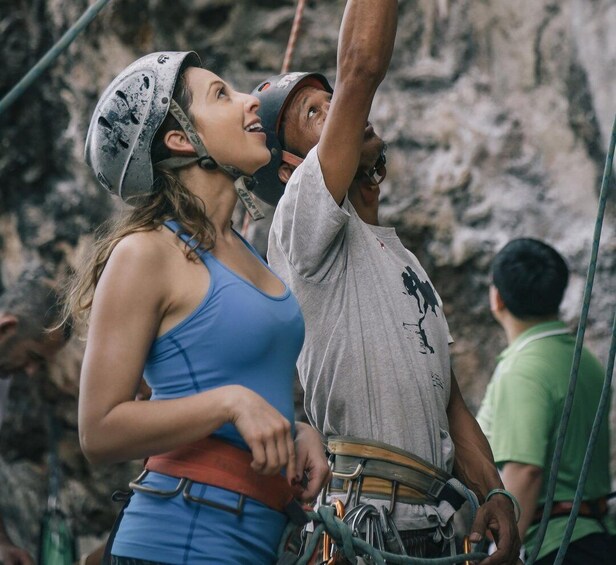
241,181
291,159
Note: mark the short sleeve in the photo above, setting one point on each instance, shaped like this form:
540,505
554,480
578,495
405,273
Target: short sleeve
307,224
521,416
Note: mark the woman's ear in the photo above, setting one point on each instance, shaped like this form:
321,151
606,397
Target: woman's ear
177,141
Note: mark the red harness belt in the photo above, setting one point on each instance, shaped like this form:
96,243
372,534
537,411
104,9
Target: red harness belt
588,509
220,464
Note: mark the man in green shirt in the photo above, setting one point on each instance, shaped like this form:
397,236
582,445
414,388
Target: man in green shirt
522,408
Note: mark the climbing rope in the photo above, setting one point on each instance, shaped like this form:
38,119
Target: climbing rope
352,547
51,55
579,492
297,22
562,429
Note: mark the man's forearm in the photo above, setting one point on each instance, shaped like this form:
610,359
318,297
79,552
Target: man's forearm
365,47
474,463
367,38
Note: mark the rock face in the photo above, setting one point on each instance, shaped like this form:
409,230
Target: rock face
497,115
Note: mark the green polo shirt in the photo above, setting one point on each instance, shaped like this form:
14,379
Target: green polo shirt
521,412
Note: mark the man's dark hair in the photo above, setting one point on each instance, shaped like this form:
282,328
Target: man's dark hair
531,278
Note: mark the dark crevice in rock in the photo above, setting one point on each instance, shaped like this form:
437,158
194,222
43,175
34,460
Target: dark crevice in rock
551,11
582,117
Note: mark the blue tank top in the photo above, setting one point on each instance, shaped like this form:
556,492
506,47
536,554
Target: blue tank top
237,335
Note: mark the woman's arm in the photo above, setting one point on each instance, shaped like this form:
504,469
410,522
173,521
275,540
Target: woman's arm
129,303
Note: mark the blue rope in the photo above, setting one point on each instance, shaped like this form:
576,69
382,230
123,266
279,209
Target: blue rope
562,429
35,72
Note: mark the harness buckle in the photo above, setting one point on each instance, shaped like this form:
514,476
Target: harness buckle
199,500
139,487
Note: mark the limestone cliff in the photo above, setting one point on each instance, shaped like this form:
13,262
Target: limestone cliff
497,116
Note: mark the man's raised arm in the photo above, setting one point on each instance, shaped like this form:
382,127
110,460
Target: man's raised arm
365,46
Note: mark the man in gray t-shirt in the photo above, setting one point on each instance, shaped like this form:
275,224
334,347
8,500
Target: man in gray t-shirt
375,363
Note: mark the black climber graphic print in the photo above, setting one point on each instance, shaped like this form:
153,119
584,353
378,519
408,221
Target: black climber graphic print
423,292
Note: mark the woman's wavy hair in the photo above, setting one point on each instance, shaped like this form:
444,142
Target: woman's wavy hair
170,199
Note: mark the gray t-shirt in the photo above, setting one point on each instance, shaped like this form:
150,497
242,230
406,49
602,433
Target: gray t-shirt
375,363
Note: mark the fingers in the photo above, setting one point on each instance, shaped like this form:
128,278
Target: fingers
311,462
273,449
292,466
478,529
266,432
505,533
318,477
259,459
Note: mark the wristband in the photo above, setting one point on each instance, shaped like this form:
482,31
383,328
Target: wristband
516,505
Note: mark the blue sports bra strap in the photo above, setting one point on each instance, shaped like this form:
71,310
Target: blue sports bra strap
178,230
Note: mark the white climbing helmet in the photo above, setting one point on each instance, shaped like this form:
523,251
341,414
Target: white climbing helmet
126,119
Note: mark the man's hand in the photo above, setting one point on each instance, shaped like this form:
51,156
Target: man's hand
310,461
12,555
497,515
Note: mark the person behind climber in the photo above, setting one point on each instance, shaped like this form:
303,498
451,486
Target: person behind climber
28,309
524,401
173,292
375,364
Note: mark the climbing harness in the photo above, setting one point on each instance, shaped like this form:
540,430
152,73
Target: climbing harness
365,473
379,470
218,463
596,509
605,392
35,72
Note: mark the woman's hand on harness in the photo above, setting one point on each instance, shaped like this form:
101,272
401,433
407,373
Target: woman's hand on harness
313,472
497,515
265,430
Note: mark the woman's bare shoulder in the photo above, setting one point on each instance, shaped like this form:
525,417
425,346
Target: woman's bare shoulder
143,255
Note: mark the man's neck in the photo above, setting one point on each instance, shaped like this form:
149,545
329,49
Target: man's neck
514,327
364,196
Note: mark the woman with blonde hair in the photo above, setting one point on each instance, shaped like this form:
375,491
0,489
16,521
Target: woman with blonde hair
173,293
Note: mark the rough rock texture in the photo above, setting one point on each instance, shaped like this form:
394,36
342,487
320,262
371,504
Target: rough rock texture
497,116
